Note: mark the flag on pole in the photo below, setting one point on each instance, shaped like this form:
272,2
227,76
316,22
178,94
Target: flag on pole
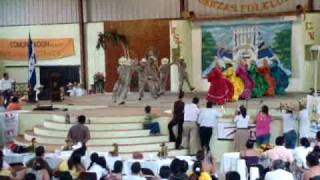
32,79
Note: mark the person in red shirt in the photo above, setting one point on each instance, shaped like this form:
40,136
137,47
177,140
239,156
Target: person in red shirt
14,105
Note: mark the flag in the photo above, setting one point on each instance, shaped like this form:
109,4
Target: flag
32,79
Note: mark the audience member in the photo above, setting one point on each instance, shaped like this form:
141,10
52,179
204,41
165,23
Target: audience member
289,128
316,150
79,132
39,169
242,123
98,165
5,170
317,139
280,151
208,119
190,128
2,106
175,168
40,154
199,173
278,172
116,174
31,176
208,162
304,125
232,175
178,115
250,155
164,172
150,123
263,123
14,105
136,173
6,89
314,168
300,153
72,165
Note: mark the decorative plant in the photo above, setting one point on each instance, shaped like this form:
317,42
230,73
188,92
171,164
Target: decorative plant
116,38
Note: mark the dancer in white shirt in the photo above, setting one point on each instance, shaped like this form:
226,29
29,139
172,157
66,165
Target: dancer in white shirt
242,133
304,121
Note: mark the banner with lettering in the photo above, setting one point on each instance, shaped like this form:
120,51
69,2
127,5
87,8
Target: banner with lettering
9,126
312,33
227,130
246,40
46,49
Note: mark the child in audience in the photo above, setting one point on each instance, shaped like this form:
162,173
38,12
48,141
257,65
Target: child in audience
150,123
116,174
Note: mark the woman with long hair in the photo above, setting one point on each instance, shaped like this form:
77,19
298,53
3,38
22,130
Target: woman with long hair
242,132
263,126
73,165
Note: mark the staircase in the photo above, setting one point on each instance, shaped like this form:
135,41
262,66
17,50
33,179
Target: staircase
127,132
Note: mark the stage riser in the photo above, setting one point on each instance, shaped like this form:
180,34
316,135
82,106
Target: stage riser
95,127
94,134
110,141
102,120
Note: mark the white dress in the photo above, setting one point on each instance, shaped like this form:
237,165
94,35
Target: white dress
304,128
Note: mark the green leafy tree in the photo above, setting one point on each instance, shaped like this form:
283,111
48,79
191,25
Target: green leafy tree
282,47
209,49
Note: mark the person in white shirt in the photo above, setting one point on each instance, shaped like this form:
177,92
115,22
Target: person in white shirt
208,119
300,153
242,133
278,172
6,88
304,121
98,165
289,128
136,173
190,134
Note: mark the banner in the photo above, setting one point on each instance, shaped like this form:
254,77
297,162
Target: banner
227,130
254,41
17,49
9,126
312,33
313,107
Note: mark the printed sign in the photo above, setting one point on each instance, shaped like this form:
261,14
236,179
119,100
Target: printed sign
227,130
9,125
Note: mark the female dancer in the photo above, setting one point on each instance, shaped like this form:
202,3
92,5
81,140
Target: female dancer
265,72
237,83
242,72
281,77
261,85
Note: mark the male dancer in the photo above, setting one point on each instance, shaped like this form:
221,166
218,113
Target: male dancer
183,75
116,88
142,77
164,70
151,70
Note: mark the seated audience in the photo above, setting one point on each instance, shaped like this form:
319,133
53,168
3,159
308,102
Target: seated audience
6,171
208,162
136,173
250,155
14,105
232,175
175,168
98,165
79,132
149,122
40,153
116,174
314,168
39,169
300,153
31,176
73,165
280,151
316,150
164,172
317,143
199,173
278,172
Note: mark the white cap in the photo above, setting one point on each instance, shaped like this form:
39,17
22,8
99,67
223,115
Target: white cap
143,60
122,60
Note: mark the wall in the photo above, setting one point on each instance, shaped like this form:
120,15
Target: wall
18,69
301,69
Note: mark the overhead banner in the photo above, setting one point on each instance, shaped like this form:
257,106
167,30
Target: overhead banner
255,41
46,49
9,126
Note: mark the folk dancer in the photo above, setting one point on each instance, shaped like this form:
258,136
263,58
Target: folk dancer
183,75
151,71
164,70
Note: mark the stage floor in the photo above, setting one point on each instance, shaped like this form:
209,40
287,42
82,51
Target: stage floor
101,104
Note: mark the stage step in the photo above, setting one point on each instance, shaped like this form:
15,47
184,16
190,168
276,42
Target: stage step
103,120
28,135
125,151
95,127
43,131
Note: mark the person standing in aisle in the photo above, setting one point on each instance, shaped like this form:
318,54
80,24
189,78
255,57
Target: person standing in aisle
190,134
242,133
208,119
